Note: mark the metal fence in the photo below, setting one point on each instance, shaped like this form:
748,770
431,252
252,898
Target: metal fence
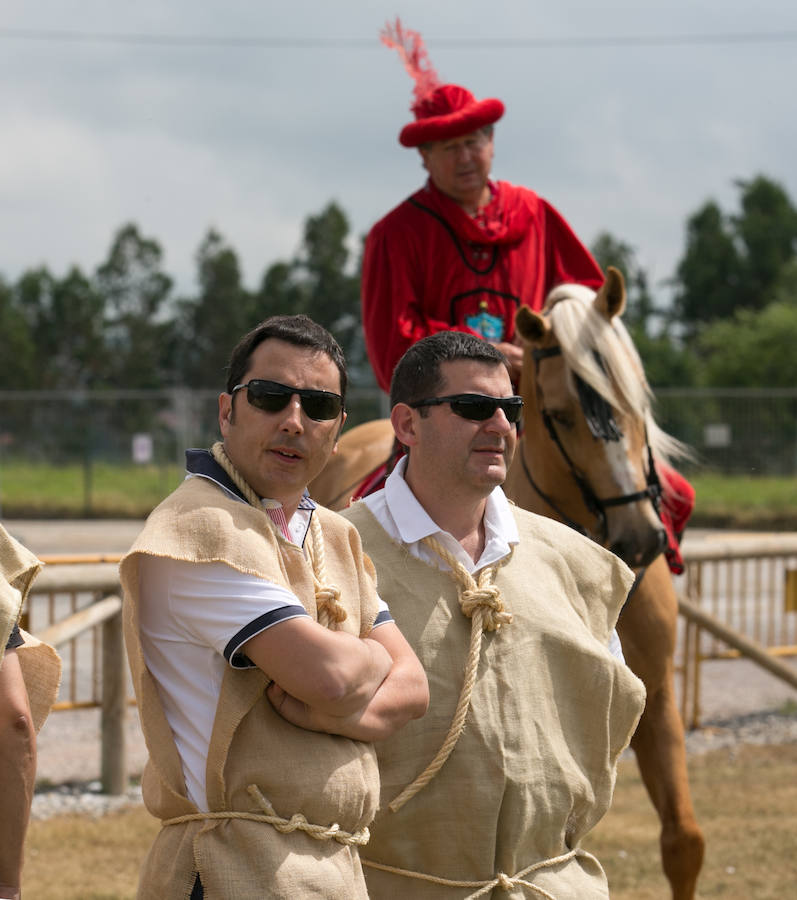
90,429
734,431
75,605
731,431
745,591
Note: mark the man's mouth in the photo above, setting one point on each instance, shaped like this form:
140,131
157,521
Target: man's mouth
286,452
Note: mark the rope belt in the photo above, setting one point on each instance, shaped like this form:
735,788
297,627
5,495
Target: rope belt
481,602
297,822
501,880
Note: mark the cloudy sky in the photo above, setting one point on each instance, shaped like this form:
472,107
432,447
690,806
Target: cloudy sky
248,117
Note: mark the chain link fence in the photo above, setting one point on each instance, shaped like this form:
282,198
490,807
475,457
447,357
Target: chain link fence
90,431
734,431
730,431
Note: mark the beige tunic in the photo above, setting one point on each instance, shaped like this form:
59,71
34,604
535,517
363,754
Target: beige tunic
327,779
551,712
40,664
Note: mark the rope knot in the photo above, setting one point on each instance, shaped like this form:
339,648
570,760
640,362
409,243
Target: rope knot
504,882
488,598
327,598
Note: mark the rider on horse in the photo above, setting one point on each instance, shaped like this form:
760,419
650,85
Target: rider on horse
464,252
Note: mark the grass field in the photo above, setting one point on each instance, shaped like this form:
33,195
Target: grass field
130,491
746,801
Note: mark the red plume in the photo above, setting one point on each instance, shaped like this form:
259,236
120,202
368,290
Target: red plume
409,45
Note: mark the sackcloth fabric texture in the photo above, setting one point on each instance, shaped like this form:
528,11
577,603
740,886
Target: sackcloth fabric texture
40,664
551,711
256,761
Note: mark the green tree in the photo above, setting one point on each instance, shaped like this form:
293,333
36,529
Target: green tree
767,231
65,320
755,348
18,369
319,282
734,262
666,362
708,275
136,291
212,322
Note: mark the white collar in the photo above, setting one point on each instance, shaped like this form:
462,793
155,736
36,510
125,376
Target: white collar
398,510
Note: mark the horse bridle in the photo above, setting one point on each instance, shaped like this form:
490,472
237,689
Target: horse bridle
597,506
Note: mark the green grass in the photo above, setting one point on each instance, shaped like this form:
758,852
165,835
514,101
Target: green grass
33,490
745,501
745,800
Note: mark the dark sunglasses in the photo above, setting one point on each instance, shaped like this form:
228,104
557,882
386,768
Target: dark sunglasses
477,407
271,396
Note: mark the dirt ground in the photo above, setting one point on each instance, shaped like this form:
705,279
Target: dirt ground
69,748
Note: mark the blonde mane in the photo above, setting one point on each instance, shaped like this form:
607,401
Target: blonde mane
603,355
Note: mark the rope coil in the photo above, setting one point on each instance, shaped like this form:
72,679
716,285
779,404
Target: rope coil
481,602
327,596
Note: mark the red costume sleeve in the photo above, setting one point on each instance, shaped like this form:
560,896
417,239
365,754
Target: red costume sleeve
567,260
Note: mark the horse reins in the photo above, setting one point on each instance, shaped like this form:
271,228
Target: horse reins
597,506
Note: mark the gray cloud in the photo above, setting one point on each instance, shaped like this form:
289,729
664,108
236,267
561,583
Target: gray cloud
252,140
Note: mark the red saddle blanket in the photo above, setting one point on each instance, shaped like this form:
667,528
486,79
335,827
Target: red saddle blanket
677,503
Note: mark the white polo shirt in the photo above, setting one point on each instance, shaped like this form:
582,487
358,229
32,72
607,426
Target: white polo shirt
399,512
194,618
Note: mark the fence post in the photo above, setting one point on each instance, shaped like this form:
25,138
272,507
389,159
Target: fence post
114,707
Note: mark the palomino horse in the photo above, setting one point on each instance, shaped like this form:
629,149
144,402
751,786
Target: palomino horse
585,458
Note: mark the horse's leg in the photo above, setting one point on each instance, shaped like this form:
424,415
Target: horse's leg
647,629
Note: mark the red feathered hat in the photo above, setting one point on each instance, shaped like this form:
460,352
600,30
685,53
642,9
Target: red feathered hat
442,111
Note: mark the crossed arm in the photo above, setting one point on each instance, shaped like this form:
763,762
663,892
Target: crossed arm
360,688
17,772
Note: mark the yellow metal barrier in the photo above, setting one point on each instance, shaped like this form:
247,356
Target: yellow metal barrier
739,595
75,605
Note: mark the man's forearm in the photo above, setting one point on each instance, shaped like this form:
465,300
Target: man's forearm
17,772
332,671
402,696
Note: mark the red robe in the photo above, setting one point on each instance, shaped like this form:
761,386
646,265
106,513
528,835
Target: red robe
429,267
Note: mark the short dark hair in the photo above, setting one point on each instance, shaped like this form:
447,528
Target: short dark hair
299,330
417,374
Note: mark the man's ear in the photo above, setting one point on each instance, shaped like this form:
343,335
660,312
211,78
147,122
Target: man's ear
340,429
423,158
404,420
225,412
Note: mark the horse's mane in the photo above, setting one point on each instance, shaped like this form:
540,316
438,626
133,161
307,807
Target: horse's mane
603,355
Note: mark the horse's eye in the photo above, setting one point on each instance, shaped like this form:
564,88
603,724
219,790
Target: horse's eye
561,417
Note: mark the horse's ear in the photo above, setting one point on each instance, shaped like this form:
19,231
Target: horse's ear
610,299
531,326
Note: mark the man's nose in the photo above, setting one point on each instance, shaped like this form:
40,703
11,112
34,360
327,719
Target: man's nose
292,415
498,422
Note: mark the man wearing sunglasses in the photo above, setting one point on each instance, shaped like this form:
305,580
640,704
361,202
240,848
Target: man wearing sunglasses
511,615
264,662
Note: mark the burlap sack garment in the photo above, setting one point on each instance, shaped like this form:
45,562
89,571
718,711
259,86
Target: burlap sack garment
551,711
327,779
40,664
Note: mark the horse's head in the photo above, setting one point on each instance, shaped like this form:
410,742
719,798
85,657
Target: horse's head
585,452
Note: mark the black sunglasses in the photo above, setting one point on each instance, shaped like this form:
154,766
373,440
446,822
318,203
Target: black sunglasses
477,407
271,396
